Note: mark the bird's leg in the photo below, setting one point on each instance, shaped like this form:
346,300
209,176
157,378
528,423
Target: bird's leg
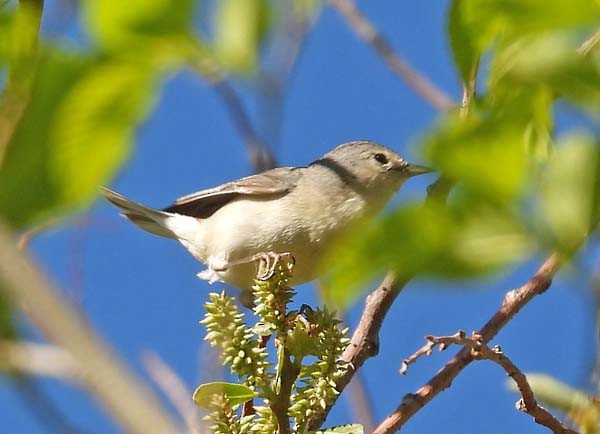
267,263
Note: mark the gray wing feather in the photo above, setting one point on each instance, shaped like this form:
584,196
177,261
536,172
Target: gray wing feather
204,203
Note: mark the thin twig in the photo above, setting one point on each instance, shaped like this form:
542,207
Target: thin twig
260,156
589,45
131,403
427,349
480,351
275,82
416,81
174,388
25,239
513,302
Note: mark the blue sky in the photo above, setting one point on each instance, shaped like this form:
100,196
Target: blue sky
142,294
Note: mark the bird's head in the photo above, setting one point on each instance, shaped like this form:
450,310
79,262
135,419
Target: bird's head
371,166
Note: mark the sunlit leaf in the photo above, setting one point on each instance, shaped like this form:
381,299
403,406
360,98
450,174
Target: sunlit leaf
463,240
470,32
485,153
569,190
550,61
474,25
235,393
74,135
575,404
7,326
116,26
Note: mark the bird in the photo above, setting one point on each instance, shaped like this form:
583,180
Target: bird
296,211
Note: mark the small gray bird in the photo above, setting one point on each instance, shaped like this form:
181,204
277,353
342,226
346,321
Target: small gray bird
291,210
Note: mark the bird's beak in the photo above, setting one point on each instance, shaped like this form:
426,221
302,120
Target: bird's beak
415,170
411,170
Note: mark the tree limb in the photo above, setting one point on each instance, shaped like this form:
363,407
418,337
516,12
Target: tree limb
513,302
480,351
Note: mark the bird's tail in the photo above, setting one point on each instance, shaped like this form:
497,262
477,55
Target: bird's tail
149,219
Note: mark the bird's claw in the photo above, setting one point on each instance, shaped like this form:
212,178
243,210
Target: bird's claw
267,263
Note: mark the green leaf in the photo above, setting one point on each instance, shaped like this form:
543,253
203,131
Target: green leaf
550,61
235,393
473,25
240,25
354,428
486,153
569,190
575,404
114,26
74,135
468,34
467,238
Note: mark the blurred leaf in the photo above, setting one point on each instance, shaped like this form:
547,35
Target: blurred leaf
469,34
235,393
486,153
354,428
569,190
7,326
473,25
550,61
73,137
240,25
124,27
575,404
462,240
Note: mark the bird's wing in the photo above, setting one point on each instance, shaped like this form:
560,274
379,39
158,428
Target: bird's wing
204,203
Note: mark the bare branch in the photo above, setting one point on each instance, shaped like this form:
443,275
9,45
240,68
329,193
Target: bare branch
513,302
589,45
416,81
260,156
131,403
172,385
480,351
25,239
427,349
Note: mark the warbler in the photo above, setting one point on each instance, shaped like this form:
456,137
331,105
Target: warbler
296,211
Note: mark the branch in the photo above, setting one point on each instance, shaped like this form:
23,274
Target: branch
172,385
513,302
131,403
207,66
260,156
589,45
415,80
365,340
480,351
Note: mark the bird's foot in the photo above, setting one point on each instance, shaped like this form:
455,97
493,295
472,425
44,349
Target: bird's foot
267,263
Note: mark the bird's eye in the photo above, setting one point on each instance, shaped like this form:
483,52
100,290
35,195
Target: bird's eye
381,158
